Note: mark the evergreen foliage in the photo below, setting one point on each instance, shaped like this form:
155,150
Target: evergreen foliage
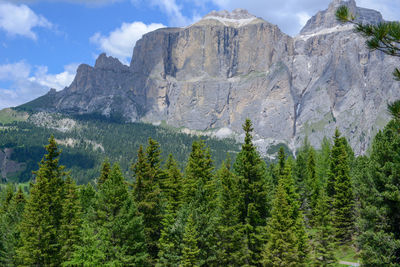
90,251
301,172
340,190
40,226
281,248
168,245
10,218
71,220
199,196
148,173
207,218
231,248
119,227
105,172
313,185
190,250
172,184
380,200
255,187
324,237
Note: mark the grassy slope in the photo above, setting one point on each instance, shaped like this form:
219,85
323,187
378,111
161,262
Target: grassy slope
9,115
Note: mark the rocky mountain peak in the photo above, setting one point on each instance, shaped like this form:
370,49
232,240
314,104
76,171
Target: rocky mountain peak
237,18
337,3
326,19
236,14
105,62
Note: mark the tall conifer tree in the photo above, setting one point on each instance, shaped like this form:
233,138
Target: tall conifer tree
147,192
199,196
231,251
281,247
172,184
324,237
118,225
341,192
10,217
71,220
190,250
255,187
40,227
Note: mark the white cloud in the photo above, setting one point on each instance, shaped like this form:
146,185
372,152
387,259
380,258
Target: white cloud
15,71
56,81
120,42
26,85
20,20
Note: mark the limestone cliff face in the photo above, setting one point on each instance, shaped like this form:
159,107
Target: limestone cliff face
229,66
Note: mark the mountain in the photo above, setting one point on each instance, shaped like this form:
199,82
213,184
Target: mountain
229,66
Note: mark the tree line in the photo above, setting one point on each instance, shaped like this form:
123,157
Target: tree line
295,212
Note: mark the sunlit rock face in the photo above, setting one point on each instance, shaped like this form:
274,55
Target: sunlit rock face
230,66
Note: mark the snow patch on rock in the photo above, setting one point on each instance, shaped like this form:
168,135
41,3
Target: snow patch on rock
339,28
237,18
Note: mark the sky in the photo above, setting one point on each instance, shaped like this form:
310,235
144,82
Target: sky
42,42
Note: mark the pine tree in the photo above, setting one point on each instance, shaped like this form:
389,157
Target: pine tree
87,198
71,220
255,186
91,250
324,237
281,248
335,165
172,184
301,172
113,233
40,227
312,186
140,170
198,172
341,193
190,250
323,162
9,230
147,192
379,221
231,251
199,196
6,197
168,245
105,172
379,190
293,199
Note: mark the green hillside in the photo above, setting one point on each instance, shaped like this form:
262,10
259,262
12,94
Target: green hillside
90,140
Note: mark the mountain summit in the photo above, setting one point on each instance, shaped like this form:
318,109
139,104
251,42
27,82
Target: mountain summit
326,19
236,18
229,66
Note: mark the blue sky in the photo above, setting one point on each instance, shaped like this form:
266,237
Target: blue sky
43,41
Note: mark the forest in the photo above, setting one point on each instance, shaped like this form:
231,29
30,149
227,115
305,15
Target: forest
295,212
93,139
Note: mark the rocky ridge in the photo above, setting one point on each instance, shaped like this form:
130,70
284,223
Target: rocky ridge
212,75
